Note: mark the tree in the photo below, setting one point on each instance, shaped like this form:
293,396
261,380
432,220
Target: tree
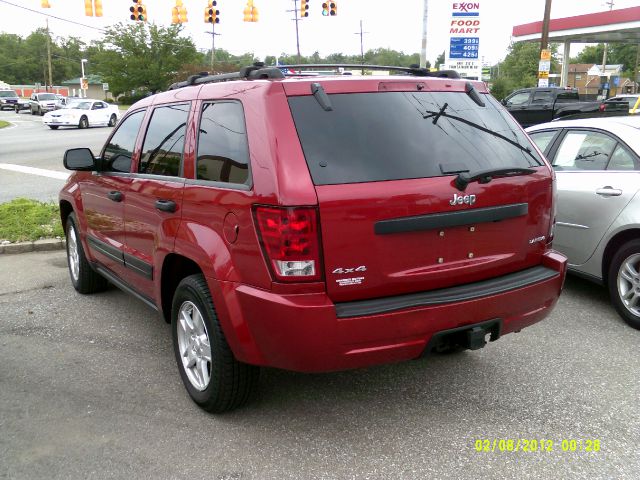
617,54
519,68
440,59
142,57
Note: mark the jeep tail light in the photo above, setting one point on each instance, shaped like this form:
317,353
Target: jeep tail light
290,239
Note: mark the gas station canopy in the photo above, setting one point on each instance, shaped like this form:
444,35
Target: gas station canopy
612,26
605,27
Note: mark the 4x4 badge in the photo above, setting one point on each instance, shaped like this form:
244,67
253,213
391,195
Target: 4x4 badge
459,199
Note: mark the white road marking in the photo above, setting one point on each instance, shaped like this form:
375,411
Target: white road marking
35,171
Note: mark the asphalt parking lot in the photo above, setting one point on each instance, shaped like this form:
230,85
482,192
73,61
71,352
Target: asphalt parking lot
89,389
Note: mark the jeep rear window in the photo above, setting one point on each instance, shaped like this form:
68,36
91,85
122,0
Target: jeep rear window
369,137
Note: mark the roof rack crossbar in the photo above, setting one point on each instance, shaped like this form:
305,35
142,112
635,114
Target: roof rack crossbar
257,71
414,70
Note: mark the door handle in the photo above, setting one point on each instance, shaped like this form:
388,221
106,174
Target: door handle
166,205
609,192
115,196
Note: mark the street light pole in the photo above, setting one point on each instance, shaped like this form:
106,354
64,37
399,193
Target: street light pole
82,62
213,43
362,34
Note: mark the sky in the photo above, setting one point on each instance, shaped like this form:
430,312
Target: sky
389,24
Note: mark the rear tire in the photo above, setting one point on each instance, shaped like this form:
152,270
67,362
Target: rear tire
84,123
83,278
54,127
215,380
624,282
113,120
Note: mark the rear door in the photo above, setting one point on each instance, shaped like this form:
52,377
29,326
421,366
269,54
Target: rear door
518,105
392,221
597,177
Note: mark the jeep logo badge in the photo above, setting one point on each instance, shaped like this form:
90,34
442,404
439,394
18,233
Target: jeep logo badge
459,199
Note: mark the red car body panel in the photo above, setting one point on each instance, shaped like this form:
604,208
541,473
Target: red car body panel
295,325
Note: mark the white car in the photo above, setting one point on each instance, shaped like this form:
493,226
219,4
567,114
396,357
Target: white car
83,113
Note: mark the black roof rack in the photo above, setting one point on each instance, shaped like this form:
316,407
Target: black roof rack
414,70
258,71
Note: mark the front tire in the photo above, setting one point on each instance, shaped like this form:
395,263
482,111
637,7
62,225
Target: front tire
84,123
113,120
54,127
624,282
83,278
215,380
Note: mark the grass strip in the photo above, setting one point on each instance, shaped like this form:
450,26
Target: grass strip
23,219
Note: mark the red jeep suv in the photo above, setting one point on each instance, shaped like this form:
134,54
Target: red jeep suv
316,222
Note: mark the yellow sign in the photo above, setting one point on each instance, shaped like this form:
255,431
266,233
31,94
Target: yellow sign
545,55
85,84
543,74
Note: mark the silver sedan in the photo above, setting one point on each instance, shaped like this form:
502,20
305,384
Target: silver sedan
597,166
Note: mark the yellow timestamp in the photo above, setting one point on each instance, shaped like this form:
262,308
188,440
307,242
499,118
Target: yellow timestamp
536,445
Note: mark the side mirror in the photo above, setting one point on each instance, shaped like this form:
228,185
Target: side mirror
80,159
504,102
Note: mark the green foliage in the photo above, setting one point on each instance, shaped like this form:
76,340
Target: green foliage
23,219
617,54
4,124
141,57
519,69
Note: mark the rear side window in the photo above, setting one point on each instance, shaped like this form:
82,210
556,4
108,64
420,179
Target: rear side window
370,137
164,142
223,153
568,97
117,153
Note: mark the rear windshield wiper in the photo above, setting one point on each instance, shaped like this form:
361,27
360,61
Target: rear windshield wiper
443,113
484,176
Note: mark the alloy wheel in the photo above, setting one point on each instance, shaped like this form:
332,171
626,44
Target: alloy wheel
194,345
629,283
73,254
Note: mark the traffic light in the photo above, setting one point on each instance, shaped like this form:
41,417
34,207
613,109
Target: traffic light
250,12
97,8
325,9
45,4
211,15
88,8
179,13
138,11
304,8
333,8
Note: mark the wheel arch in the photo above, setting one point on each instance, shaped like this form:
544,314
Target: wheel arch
175,268
612,247
65,210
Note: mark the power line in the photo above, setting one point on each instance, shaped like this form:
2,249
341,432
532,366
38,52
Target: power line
52,16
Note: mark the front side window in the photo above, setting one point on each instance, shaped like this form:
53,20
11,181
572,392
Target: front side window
118,152
584,150
164,141
223,153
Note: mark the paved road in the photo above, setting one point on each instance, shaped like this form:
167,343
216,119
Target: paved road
30,143
89,389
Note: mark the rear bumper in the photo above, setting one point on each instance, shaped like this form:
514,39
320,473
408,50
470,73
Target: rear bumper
304,333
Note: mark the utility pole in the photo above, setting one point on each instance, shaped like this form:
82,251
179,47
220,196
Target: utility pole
362,34
423,53
604,55
296,19
636,79
544,41
49,56
213,43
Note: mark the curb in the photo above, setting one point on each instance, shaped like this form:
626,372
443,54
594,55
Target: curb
37,246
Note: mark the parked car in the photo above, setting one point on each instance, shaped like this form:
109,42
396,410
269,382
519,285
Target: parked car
83,114
23,104
531,106
597,165
8,99
41,103
614,103
314,223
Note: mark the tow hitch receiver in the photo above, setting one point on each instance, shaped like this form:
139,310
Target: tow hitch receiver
472,337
